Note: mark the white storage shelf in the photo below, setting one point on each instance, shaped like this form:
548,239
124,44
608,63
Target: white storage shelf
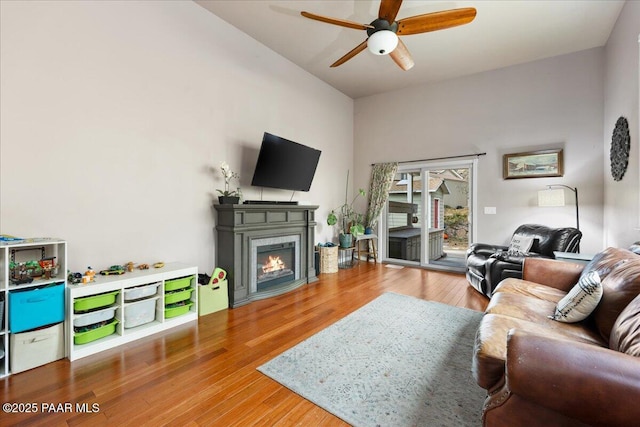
147,284
21,251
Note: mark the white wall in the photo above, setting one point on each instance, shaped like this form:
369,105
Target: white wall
551,103
113,114
622,218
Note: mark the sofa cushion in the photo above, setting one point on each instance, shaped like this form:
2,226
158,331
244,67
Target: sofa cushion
525,287
625,334
620,287
519,306
580,302
538,312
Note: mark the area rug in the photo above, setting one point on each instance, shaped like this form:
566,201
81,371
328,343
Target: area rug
397,361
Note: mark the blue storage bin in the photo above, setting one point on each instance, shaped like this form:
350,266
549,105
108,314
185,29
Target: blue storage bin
35,307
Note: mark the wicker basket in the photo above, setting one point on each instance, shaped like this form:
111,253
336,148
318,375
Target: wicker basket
328,259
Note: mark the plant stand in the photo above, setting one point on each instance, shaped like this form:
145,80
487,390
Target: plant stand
345,257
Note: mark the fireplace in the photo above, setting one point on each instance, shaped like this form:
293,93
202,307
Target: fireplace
274,261
247,235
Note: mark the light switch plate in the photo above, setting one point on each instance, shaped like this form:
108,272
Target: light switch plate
490,210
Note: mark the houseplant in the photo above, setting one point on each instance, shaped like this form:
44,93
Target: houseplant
228,196
351,222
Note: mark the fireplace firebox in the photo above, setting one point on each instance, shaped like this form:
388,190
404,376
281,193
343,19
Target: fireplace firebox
275,261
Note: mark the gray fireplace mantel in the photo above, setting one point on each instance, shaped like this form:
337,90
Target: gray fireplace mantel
238,225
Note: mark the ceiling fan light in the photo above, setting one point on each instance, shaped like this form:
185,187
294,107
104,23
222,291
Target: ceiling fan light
382,42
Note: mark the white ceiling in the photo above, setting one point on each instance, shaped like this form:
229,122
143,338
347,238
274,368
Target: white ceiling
503,33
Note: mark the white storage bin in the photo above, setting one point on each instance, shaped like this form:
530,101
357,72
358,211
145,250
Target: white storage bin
35,348
95,317
141,292
139,313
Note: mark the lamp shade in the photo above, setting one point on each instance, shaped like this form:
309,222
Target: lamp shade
551,197
382,42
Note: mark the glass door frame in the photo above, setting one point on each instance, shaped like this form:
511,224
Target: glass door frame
424,168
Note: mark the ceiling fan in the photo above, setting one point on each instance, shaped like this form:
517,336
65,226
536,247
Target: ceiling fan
383,32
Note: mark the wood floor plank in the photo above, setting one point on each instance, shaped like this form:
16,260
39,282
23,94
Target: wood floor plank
204,373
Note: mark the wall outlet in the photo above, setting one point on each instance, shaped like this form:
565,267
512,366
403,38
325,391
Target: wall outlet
489,210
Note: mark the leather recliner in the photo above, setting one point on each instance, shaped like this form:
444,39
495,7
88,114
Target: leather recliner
488,265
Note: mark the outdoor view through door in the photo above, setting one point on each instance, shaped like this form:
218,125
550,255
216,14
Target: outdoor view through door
444,207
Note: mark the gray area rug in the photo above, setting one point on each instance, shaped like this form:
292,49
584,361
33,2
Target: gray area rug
397,361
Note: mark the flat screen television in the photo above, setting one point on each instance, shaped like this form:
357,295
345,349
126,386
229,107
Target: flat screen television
285,164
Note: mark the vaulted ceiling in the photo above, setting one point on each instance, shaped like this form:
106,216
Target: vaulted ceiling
503,33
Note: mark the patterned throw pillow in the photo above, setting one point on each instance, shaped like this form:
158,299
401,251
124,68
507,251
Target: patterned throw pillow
520,244
581,300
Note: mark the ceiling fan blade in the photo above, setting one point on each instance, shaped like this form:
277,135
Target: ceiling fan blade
335,21
435,21
401,56
389,9
356,50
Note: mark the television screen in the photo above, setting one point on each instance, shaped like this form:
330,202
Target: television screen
285,164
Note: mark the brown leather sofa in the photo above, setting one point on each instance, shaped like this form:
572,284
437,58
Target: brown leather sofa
539,371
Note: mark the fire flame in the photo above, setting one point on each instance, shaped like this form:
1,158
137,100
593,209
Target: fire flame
274,264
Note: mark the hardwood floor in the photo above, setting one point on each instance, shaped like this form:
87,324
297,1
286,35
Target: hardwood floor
205,374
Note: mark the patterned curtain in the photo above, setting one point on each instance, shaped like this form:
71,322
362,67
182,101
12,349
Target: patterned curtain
381,179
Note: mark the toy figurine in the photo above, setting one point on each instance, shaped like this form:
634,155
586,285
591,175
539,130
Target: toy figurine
19,275
74,278
89,275
49,267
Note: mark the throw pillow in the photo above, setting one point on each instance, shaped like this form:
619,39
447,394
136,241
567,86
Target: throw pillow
581,300
520,243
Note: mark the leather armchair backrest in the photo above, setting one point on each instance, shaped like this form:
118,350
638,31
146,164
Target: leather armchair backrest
547,240
625,334
620,287
619,271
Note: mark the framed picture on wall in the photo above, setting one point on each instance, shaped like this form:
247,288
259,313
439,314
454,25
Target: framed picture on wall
533,164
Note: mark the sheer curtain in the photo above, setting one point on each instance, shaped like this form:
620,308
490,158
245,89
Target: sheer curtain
382,175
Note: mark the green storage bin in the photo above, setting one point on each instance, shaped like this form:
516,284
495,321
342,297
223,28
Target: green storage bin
95,334
177,296
176,310
94,301
213,297
174,284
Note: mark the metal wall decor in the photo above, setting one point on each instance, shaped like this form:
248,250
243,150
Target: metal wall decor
620,145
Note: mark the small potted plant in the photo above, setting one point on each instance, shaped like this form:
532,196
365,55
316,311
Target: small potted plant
351,222
228,196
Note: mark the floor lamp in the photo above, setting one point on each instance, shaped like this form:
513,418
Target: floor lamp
555,197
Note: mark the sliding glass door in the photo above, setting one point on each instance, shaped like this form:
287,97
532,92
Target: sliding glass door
428,219
403,217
